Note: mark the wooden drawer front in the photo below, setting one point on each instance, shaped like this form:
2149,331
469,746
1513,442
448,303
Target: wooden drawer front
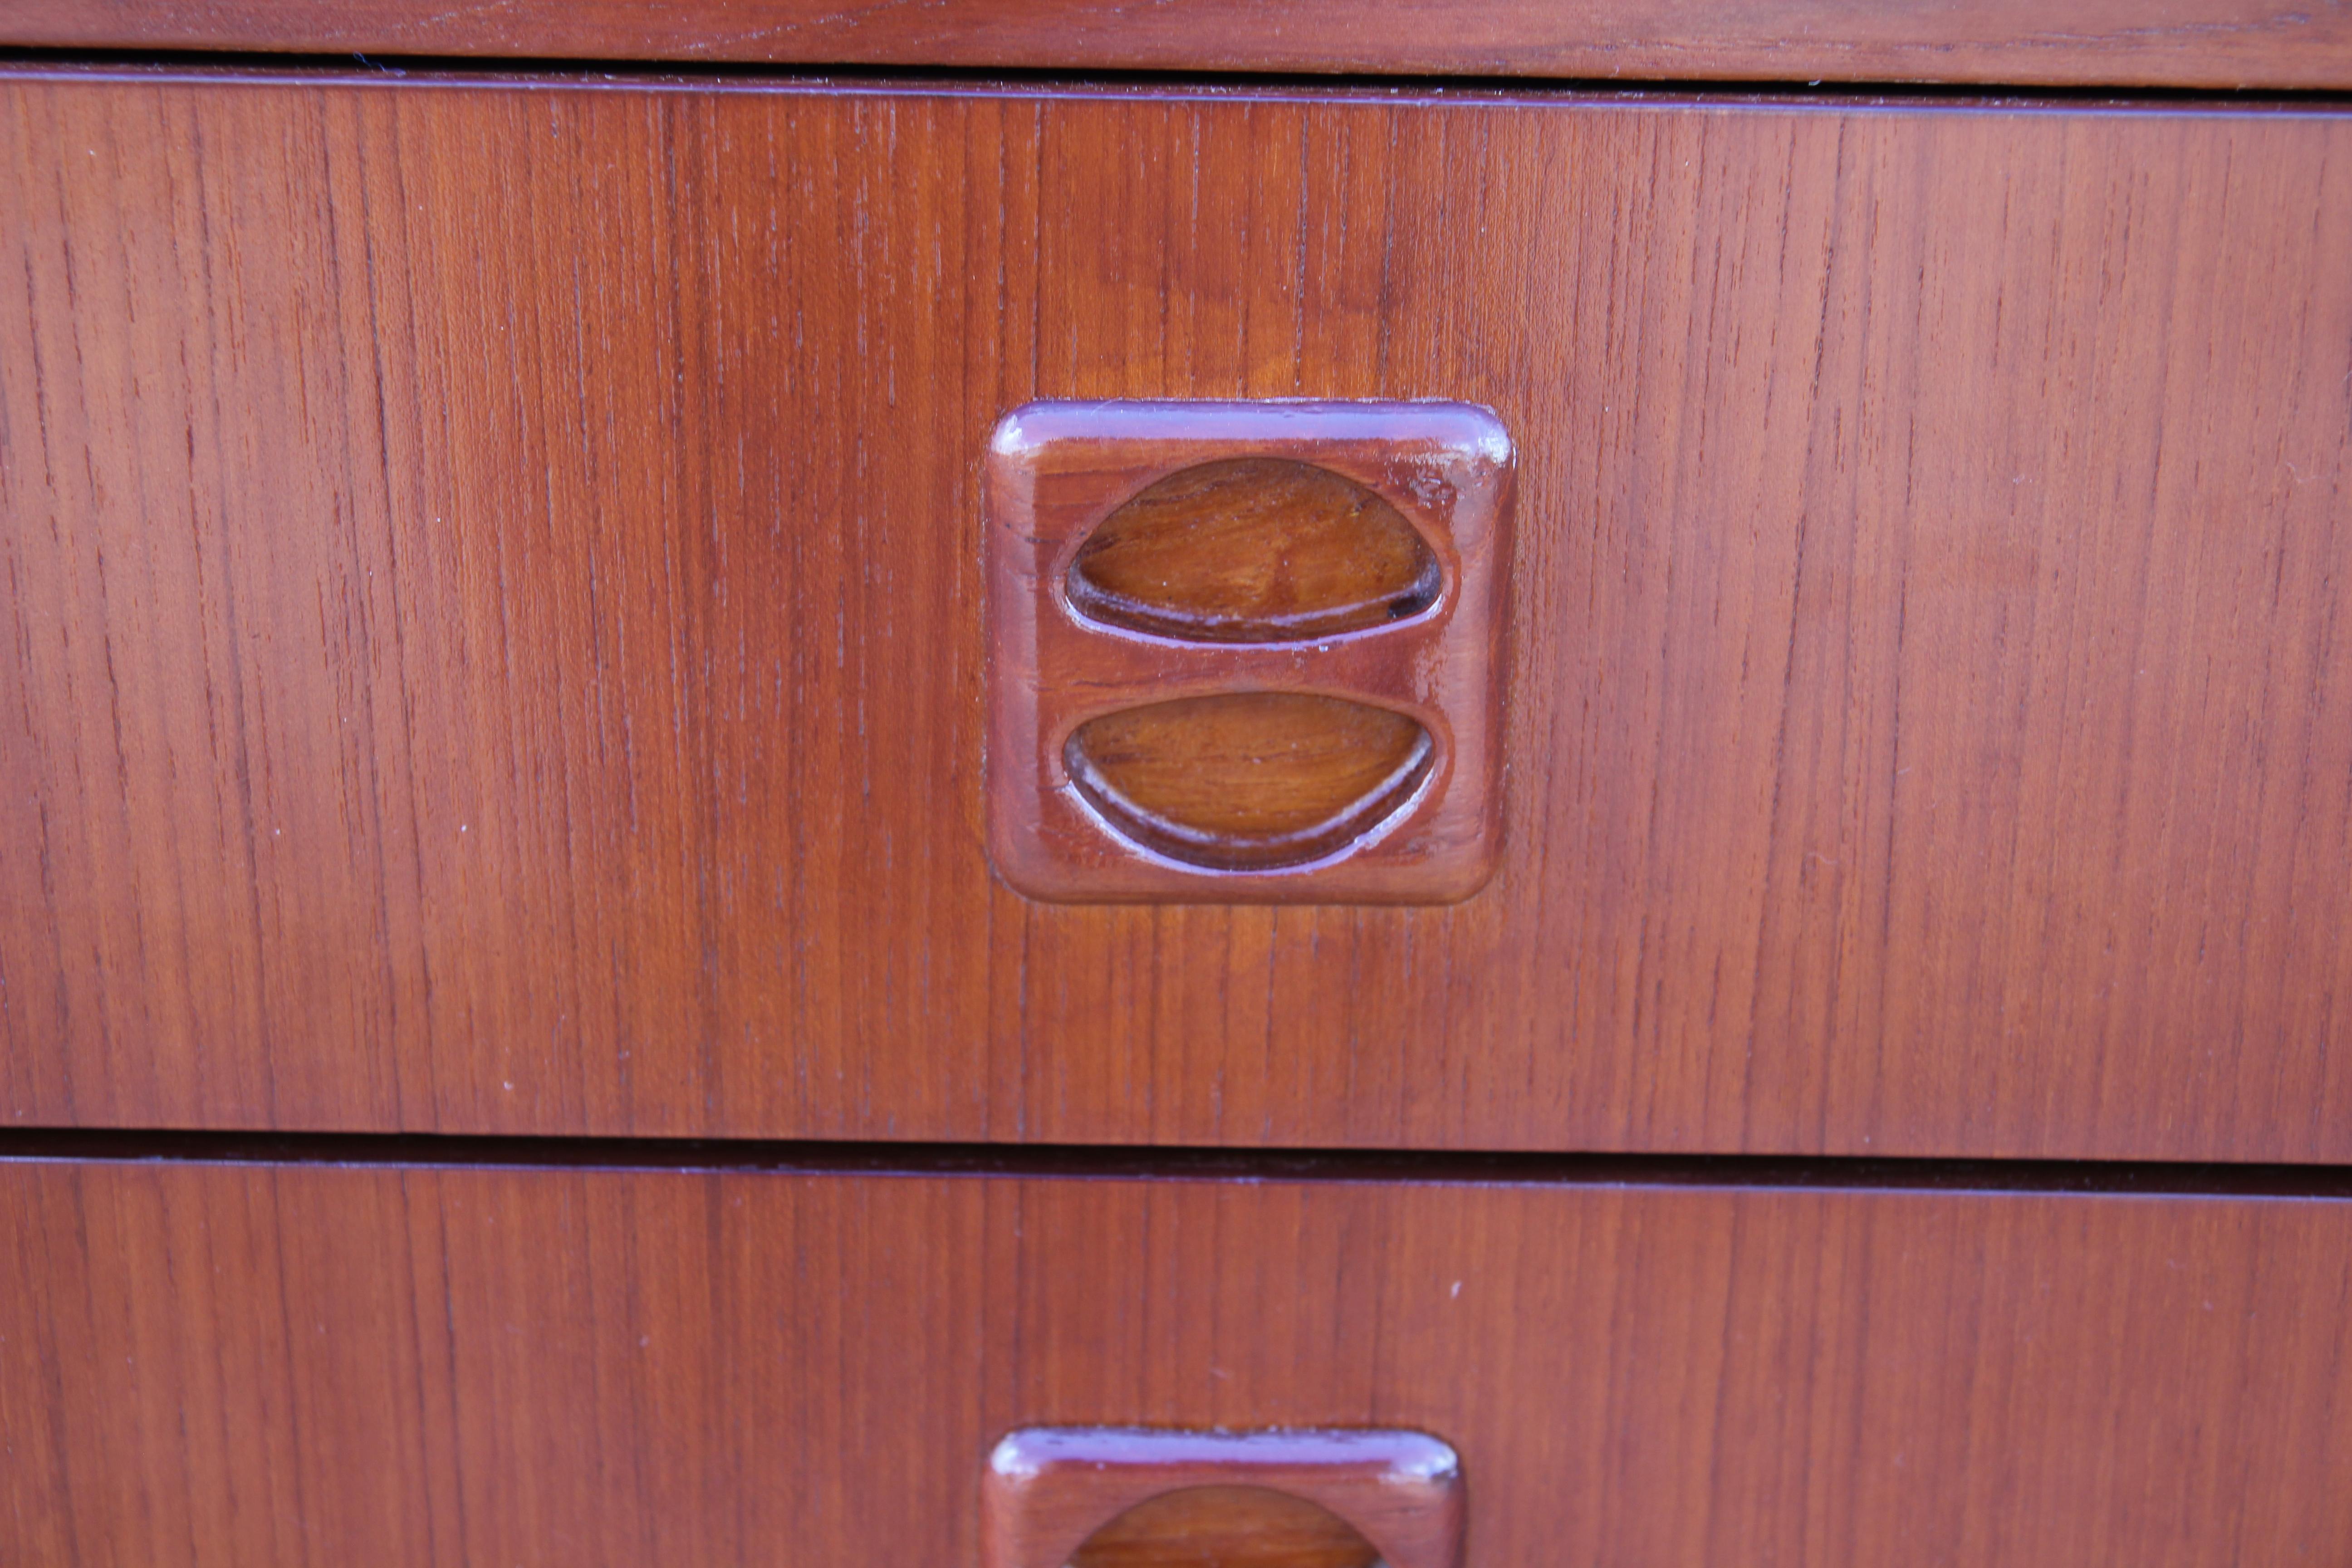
384,1366
493,614
2171,43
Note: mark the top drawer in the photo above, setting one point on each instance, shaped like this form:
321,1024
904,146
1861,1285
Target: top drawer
2140,42
491,582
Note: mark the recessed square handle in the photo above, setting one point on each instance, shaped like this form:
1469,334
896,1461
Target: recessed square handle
1246,651
1109,1498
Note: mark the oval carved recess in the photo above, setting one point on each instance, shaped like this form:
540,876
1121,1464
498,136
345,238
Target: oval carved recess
1253,550
1227,1527
1248,780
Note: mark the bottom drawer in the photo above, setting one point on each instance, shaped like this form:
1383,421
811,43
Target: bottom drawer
265,1364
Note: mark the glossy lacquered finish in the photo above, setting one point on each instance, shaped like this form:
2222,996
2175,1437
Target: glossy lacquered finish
493,638
2148,43
381,1367
1247,1527
1253,550
1266,782
1418,742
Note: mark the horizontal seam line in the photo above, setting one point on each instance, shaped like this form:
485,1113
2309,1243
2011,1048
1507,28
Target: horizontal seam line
198,60
1124,1162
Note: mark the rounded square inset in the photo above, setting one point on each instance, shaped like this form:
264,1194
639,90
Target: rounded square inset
1138,1498
1246,651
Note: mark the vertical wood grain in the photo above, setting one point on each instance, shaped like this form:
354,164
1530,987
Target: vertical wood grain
382,1366
493,641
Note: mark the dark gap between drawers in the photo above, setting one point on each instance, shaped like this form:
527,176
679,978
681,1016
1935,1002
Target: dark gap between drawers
1081,1161
197,64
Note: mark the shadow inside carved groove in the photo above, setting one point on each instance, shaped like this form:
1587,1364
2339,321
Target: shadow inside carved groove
1253,550
1248,781
1225,1527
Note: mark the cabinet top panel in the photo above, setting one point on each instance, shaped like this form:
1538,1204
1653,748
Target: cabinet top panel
492,628
2144,43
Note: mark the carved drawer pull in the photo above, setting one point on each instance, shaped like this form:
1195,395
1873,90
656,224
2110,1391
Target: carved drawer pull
1114,1497
1246,651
